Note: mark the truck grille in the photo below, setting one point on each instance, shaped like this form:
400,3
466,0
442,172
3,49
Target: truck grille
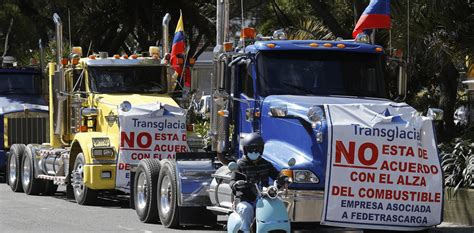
26,128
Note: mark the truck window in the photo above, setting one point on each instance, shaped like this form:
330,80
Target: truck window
20,83
320,73
247,82
127,79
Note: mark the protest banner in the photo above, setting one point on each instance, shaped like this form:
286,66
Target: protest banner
383,169
148,132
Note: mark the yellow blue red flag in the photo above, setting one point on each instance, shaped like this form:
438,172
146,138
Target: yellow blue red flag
376,15
178,51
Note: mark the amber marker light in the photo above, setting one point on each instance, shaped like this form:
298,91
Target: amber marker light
271,46
257,114
134,56
83,128
92,57
248,33
378,49
287,172
327,45
314,45
64,61
116,56
228,46
341,46
125,56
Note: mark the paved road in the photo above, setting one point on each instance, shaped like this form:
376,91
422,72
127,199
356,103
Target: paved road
22,213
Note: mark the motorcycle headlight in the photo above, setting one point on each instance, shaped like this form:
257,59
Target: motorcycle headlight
272,192
304,176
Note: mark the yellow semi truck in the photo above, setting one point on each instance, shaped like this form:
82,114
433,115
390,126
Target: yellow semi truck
86,95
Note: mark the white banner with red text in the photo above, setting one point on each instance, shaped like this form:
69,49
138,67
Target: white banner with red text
383,168
151,131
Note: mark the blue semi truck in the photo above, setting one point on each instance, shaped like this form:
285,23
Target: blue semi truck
23,109
280,88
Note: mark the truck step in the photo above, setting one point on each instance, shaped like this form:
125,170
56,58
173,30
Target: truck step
60,180
219,209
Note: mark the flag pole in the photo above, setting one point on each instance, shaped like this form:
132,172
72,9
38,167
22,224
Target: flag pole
372,36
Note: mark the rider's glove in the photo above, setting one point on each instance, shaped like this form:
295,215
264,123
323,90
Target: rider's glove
283,181
240,184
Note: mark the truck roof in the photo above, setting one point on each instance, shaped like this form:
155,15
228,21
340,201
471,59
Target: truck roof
23,70
310,45
122,62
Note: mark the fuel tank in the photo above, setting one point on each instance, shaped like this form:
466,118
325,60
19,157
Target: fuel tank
220,192
53,162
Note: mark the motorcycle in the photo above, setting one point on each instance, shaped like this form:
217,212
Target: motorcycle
270,210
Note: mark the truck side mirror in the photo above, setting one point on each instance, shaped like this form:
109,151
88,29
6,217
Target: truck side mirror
402,80
291,162
435,114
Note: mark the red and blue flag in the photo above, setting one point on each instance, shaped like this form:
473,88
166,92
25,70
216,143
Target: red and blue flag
178,51
376,15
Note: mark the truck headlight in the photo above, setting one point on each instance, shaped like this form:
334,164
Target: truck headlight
103,152
315,115
300,176
304,176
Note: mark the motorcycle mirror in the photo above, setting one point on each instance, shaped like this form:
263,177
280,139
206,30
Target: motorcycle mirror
232,166
291,162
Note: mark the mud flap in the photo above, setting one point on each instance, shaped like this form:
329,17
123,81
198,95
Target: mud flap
196,216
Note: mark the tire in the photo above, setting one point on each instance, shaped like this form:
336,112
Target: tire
144,188
82,194
49,188
167,195
14,167
30,184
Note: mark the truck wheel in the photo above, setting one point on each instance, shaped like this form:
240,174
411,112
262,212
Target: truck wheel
144,196
14,167
82,194
167,195
31,185
49,188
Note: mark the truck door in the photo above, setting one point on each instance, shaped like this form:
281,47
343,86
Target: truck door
247,95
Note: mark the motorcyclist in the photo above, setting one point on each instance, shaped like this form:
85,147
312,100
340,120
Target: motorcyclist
252,169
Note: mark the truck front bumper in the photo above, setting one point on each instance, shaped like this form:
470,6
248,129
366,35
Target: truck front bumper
99,176
304,205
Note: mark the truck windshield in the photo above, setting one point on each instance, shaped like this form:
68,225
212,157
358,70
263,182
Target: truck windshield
127,79
320,73
20,83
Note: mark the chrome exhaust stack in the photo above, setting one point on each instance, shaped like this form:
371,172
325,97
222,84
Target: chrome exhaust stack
220,90
165,24
59,83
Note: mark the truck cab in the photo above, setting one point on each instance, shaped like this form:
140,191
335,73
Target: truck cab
23,110
282,86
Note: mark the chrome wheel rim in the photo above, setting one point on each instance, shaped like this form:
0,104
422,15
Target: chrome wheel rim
26,173
78,180
141,191
12,171
165,195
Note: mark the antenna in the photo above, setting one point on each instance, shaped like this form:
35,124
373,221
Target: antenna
69,25
6,38
242,13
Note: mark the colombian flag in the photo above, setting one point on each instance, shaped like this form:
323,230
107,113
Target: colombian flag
178,51
376,15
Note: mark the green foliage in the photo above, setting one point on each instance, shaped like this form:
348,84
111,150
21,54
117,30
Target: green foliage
457,162
108,25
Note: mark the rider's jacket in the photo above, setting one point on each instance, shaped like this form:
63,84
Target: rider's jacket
254,172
